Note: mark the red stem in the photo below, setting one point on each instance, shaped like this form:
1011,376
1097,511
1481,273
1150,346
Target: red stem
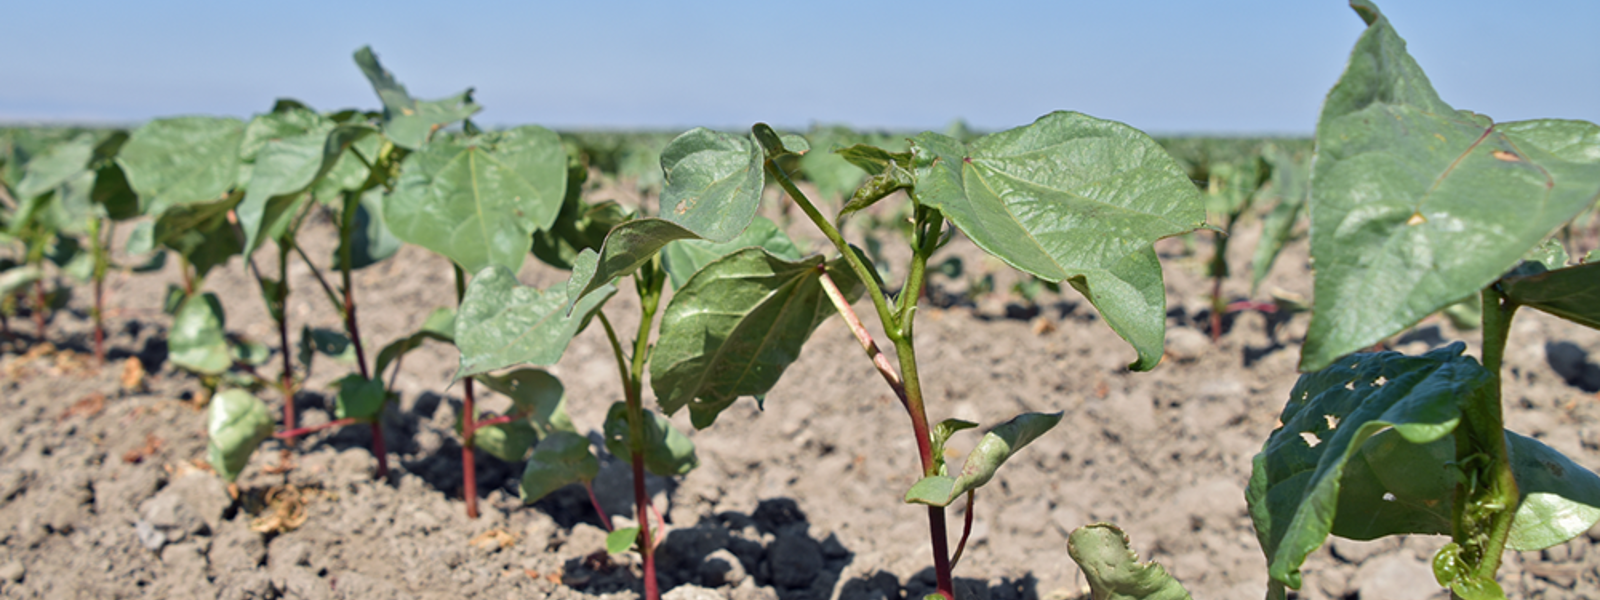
469,466
641,501
605,519
941,551
966,530
39,307
492,421
294,433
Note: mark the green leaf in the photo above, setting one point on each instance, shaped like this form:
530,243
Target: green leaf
111,190
1070,197
1572,293
1560,499
56,165
371,242
439,326
991,452
621,540
941,435
537,397
478,200
1331,435
197,341
1113,568
236,422
502,322
628,246
580,226
327,342
667,451
714,183
506,441
285,153
359,397
18,278
684,257
734,327
408,121
343,169
183,160
1415,205
248,352
561,458
199,231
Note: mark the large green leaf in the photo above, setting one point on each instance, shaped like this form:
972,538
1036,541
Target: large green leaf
1069,198
1331,436
561,458
627,247
199,231
991,452
197,341
182,160
408,121
56,165
683,258
1113,569
348,171
1415,205
714,183
502,322
734,327
236,422
667,451
478,200
1572,293
285,154
1560,499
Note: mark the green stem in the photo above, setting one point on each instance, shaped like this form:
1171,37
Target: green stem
649,281
469,412
1486,500
865,273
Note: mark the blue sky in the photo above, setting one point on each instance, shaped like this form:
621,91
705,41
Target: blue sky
1220,67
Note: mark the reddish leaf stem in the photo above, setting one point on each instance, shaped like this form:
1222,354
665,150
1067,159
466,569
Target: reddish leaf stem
868,345
966,530
469,466
294,433
605,519
641,501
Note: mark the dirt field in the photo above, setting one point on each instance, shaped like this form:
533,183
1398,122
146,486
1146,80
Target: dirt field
100,496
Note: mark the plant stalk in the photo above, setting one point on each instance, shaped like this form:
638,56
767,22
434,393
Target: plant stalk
346,230
101,262
1486,498
648,281
294,433
605,519
469,410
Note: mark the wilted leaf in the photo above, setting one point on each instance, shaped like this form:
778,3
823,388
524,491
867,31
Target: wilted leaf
236,422
197,341
1113,569
991,452
408,121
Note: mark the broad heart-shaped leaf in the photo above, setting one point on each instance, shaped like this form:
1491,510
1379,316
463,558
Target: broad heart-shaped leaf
714,182
561,458
627,247
359,398
439,326
236,422
1113,568
182,160
1296,483
538,399
408,121
667,451
287,161
58,164
683,258
197,340
1069,197
734,327
1572,293
502,322
478,200
991,452
1415,205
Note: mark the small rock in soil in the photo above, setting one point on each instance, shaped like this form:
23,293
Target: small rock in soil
692,592
721,568
1396,576
750,591
794,560
1184,344
13,571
